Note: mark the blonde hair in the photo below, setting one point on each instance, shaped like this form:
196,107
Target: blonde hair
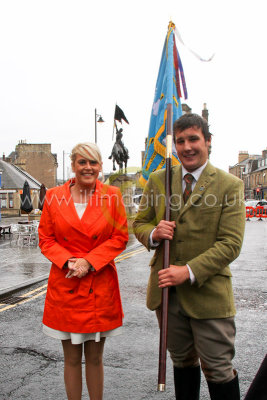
89,151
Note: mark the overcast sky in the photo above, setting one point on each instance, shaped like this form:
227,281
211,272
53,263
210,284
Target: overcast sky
61,59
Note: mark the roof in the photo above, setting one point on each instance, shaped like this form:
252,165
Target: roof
14,177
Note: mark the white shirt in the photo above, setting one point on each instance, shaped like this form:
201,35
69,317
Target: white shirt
196,175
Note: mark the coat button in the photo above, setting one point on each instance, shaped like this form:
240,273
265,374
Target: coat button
91,291
71,291
94,236
65,239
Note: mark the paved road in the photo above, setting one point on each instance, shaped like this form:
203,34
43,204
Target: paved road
32,364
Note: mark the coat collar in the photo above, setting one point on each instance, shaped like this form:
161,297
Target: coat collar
67,209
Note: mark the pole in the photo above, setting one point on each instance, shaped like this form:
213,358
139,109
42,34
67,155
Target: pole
166,260
95,127
0,188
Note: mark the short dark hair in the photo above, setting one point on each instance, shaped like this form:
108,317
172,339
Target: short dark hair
190,120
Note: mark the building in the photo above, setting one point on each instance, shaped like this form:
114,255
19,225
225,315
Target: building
37,160
11,187
252,169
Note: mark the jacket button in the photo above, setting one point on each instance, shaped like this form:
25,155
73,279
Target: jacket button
94,237
182,221
71,291
91,291
65,239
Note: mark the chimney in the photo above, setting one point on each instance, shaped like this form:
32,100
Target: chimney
205,112
4,157
264,153
243,155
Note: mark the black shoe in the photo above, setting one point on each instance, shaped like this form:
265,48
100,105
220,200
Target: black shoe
187,383
225,391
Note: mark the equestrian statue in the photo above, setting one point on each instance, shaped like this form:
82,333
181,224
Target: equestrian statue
119,152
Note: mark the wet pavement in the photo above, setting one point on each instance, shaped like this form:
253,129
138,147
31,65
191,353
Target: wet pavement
32,364
22,266
19,265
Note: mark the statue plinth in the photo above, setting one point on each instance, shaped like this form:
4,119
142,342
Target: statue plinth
126,185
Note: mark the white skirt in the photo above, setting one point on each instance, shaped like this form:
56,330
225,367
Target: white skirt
78,338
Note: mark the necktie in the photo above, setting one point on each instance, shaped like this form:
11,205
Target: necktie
188,186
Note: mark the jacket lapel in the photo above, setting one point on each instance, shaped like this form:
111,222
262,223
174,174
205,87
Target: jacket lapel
66,207
97,205
200,188
177,202
92,213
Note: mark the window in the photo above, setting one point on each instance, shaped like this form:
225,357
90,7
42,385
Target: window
3,200
11,200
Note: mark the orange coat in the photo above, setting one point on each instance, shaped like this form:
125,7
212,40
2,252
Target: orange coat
91,303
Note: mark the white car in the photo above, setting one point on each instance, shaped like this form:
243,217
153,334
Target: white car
256,203
251,203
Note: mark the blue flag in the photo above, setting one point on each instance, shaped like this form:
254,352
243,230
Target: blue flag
168,91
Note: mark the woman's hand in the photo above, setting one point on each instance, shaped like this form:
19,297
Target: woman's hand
78,267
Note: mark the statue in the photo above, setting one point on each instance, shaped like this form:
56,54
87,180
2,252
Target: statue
119,152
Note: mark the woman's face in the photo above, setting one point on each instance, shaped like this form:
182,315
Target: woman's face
86,171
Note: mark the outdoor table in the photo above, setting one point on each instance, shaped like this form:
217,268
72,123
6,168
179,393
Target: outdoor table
5,229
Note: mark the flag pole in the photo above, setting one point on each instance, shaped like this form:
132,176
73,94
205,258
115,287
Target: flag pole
166,259
114,123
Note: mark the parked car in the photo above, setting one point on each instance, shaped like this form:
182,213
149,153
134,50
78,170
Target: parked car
255,204
251,203
136,201
262,203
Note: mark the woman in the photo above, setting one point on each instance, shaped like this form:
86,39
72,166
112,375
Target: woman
82,229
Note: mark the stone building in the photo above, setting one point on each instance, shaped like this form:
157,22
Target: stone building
252,169
37,160
11,187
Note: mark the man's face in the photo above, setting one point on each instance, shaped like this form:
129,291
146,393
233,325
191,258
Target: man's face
191,147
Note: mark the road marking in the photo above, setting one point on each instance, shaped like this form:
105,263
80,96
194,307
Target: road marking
22,301
33,291
25,297
130,254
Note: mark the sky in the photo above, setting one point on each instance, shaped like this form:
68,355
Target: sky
62,59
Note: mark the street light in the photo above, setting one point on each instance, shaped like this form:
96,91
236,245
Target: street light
242,169
100,119
64,153
1,171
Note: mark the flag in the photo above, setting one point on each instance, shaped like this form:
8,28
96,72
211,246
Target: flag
169,86
119,115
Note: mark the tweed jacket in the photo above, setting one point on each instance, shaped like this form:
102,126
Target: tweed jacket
91,303
208,237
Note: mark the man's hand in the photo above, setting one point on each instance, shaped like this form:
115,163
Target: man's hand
164,230
77,267
173,276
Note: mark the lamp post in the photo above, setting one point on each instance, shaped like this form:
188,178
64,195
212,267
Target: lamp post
100,119
242,168
0,188
64,153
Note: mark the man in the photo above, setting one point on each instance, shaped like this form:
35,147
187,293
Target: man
205,232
